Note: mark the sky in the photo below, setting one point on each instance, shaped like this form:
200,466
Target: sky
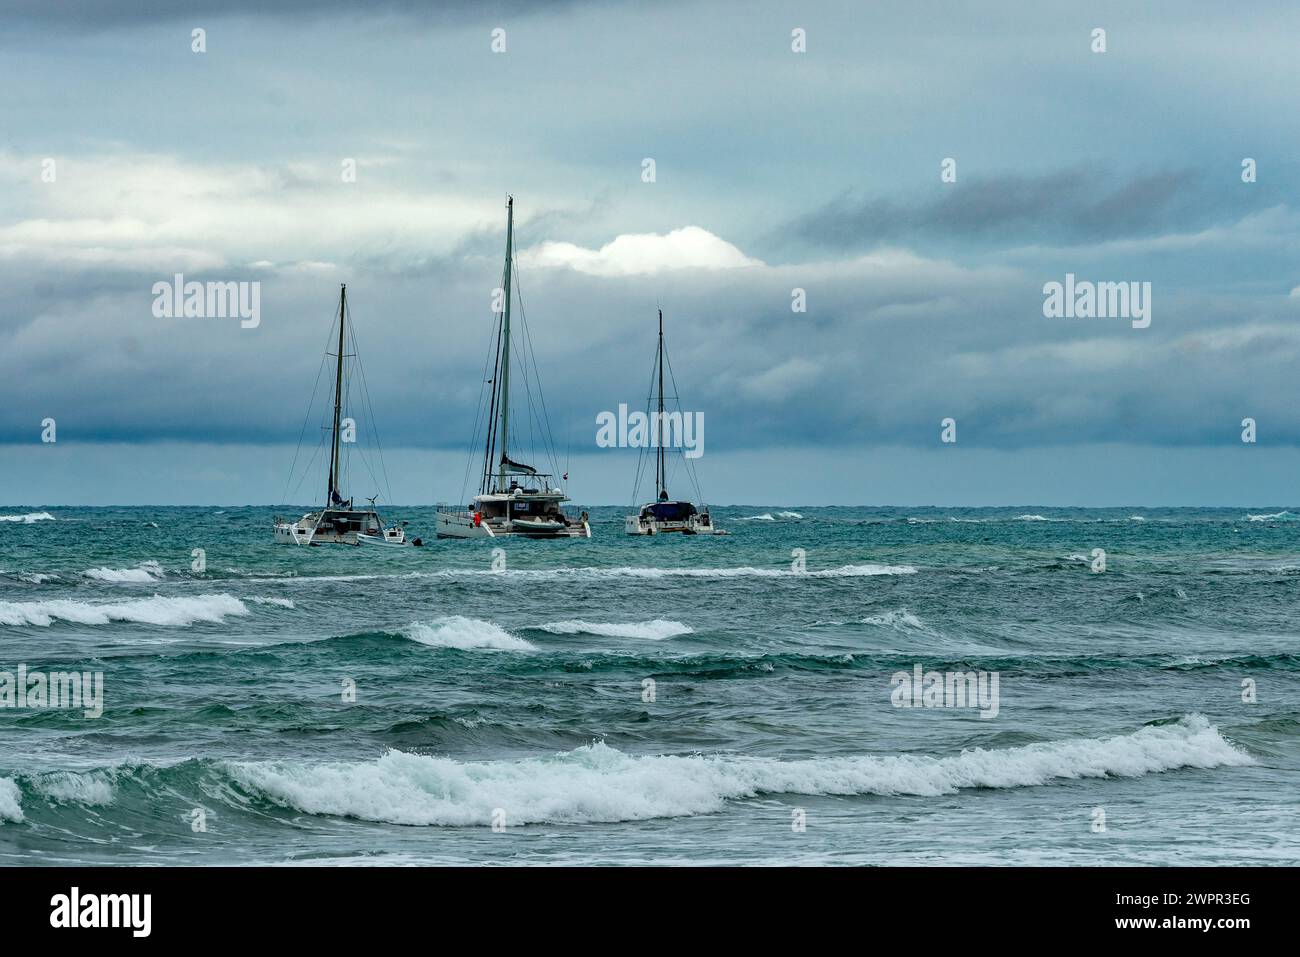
774,171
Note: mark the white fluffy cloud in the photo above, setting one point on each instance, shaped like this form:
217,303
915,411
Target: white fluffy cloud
633,254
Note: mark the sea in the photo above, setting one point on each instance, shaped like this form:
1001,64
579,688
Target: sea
822,686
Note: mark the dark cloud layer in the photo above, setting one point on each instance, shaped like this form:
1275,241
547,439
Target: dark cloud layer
1081,204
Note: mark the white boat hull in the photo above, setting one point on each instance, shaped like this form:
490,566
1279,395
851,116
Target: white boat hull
646,523
330,527
463,525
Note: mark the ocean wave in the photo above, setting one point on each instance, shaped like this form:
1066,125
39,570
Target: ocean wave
597,783
624,571
11,802
29,519
93,788
1282,516
748,571
465,634
175,612
279,602
893,619
788,515
655,630
31,578
765,517
144,573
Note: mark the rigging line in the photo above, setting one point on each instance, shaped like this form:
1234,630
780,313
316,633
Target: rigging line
307,418
690,469
301,435
478,418
307,471
644,451
373,422
528,336
490,432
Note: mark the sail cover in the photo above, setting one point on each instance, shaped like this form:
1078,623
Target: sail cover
517,467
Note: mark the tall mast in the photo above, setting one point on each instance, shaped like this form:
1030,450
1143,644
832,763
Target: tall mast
338,401
505,345
661,478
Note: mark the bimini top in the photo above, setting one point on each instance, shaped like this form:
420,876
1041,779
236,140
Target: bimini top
670,511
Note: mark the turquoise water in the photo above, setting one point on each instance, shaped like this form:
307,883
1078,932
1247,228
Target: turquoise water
519,695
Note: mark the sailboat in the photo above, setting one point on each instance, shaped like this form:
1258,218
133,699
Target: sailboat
338,522
666,515
513,499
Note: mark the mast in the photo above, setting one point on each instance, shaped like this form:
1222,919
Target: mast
504,428
661,478
338,403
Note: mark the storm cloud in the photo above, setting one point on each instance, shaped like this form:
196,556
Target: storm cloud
780,178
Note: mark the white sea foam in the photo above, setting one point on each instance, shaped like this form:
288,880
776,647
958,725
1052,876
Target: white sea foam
765,517
456,631
894,619
144,573
11,801
29,519
655,630
788,515
599,783
32,578
1272,517
280,602
176,612
93,788
1032,518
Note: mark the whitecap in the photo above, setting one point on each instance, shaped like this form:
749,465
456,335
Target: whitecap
29,519
144,573
466,634
655,630
174,612
597,783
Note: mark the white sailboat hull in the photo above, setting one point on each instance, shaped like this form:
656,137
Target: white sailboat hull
463,525
328,527
636,525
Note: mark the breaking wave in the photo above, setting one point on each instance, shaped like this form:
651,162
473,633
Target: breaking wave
1282,516
157,610
466,634
655,630
29,519
144,573
597,783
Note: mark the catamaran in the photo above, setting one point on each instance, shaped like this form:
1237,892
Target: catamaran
513,499
666,515
338,522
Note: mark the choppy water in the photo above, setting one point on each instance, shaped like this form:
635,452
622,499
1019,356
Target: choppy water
524,691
